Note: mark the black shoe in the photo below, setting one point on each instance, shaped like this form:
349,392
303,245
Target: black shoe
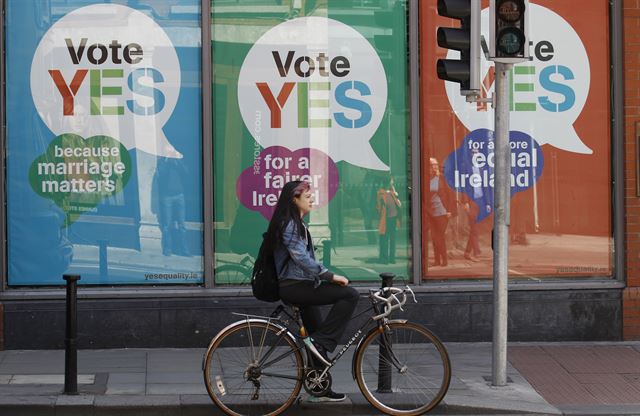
331,396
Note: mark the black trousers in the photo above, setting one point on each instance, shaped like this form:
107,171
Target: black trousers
325,332
388,242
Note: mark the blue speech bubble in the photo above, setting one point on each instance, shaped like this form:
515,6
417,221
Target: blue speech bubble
470,168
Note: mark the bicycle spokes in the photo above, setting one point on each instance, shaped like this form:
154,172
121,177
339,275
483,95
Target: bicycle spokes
404,370
252,368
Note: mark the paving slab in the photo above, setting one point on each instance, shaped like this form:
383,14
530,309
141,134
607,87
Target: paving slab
28,390
181,388
175,360
582,410
75,400
126,388
121,378
32,362
175,377
50,379
137,401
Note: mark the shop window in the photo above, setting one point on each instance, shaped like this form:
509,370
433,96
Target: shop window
104,141
561,185
315,90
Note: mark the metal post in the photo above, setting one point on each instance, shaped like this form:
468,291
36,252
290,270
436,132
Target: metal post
384,359
70,341
502,192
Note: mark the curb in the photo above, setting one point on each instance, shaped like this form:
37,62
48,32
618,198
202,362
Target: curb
192,405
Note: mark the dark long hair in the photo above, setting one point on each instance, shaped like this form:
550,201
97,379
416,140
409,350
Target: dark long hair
286,211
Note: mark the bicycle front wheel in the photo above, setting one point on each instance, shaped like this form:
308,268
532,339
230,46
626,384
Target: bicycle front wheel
404,370
253,368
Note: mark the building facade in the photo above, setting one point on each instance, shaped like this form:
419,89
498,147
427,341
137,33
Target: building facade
145,154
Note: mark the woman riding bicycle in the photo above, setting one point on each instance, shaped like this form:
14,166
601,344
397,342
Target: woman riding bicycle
303,281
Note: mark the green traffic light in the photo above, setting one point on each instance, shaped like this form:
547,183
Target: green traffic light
510,41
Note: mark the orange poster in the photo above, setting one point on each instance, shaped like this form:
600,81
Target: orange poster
560,136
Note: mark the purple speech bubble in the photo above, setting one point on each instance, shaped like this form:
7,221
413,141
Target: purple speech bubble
259,186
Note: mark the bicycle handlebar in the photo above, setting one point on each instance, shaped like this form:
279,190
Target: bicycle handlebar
389,296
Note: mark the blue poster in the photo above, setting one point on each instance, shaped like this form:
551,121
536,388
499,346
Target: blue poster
104,142
470,168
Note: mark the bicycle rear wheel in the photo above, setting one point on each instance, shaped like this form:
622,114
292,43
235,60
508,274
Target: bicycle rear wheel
408,376
253,368
232,274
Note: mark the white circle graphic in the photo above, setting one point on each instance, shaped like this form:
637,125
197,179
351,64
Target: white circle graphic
314,82
107,69
546,95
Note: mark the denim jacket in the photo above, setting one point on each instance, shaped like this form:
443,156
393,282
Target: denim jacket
295,258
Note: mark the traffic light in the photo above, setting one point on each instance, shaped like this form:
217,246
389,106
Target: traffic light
509,31
466,39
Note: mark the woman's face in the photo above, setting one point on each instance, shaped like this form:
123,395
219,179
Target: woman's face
304,202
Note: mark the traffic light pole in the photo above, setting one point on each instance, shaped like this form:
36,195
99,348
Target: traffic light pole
501,214
509,45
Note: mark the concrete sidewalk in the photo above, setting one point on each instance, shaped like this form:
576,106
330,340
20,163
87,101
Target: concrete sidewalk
572,377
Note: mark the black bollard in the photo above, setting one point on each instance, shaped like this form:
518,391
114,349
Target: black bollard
387,279
384,358
71,334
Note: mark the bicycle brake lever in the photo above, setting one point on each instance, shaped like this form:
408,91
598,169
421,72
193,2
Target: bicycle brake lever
412,294
399,303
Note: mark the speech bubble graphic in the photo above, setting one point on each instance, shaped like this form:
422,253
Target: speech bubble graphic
320,84
77,173
107,69
547,94
470,168
259,186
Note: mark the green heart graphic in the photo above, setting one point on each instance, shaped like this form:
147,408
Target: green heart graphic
77,173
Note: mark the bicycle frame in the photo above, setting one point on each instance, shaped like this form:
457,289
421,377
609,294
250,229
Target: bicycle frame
285,331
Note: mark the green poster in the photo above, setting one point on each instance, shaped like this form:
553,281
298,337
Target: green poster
315,91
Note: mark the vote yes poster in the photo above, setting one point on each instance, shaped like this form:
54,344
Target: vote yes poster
313,91
103,100
560,122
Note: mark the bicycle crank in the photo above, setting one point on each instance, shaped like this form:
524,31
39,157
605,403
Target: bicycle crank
317,384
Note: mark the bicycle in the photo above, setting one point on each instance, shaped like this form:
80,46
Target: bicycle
255,365
235,273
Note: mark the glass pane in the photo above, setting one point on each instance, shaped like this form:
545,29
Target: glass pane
104,141
561,153
316,90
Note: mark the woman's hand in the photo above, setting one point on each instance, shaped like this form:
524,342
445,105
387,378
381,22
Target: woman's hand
340,280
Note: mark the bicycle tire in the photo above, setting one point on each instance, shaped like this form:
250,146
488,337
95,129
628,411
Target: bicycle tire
425,380
232,274
227,363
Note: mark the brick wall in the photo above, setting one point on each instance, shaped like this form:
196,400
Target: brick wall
631,297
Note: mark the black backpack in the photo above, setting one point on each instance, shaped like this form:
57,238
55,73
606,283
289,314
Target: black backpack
264,279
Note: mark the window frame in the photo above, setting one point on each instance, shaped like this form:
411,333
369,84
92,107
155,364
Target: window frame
208,288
